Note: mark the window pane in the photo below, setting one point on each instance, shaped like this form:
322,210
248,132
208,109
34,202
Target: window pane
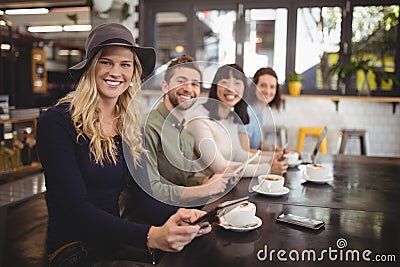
217,40
171,29
374,35
317,45
265,43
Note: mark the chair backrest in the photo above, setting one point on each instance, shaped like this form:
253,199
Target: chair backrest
318,144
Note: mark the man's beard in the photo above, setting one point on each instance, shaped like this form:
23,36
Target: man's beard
182,106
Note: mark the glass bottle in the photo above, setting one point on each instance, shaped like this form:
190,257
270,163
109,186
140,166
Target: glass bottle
26,152
16,147
3,155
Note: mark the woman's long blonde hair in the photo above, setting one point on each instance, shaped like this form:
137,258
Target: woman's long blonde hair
86,118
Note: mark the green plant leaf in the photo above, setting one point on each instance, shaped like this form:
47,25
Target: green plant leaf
295,77
125,11
73,17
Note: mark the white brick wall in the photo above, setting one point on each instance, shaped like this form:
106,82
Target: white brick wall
382,126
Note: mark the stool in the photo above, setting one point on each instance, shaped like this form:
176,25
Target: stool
346,134
314,131
281,134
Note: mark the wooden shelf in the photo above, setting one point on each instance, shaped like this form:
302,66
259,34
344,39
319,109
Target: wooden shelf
393,100
353,98
33,120
24,170
18,120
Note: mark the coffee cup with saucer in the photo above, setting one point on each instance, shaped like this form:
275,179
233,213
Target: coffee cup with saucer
293,158
240,218
271,184
317,173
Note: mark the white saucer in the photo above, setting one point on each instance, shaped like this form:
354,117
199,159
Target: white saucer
298,162
284,190
257,222
327,179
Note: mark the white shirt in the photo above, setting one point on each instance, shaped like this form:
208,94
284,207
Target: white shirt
217,144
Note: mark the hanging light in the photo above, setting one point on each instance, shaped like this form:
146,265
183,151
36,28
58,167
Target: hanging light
179,48
77,28
27,11
56,28
5,47
102,5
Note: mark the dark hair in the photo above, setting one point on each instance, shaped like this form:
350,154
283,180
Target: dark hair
277,101
188,61
225,72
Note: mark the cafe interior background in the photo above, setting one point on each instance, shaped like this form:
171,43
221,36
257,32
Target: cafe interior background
345,51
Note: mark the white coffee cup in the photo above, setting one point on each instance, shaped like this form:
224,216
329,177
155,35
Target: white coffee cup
241,215
292,157
271,182
317,171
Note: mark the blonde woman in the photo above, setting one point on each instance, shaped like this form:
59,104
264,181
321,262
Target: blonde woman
80,147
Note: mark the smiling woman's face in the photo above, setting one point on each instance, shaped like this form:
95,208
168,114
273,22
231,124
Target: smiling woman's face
266,88
114,71
230,91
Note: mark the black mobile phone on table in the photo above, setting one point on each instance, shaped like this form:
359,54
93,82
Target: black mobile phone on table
212,215
301,221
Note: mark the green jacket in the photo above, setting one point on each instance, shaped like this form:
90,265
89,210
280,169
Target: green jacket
170,155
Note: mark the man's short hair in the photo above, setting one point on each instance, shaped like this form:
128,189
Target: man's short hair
188,61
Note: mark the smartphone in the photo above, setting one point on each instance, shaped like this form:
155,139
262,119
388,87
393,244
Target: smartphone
212,215
301,221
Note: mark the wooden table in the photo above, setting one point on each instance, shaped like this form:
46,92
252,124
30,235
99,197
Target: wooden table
361,209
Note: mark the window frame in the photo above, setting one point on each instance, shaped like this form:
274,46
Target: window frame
189,7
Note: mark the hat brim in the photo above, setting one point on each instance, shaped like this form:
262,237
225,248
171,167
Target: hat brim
146,55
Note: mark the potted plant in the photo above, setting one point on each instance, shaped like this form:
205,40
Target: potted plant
294,81
356,64
101,7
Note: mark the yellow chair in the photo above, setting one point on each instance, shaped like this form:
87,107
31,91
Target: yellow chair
314,131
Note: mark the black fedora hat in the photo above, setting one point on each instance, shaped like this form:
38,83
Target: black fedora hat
114,34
